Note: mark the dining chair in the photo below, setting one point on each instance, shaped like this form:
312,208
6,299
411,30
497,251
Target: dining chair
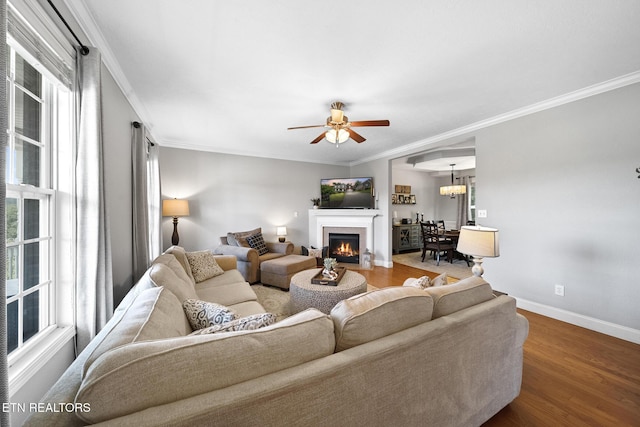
431,242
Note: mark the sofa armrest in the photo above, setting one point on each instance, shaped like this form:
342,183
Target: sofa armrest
227,262
522,329
280,248
240,252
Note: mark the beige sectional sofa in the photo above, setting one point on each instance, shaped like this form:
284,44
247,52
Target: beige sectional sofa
446,356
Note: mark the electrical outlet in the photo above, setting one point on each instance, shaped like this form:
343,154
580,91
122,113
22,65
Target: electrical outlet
482,213
559,290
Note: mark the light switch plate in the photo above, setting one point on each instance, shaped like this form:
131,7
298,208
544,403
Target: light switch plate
482,213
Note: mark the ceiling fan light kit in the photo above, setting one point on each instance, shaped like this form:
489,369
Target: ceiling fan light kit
340,127
337,137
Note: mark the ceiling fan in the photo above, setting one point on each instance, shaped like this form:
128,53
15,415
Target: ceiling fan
340,127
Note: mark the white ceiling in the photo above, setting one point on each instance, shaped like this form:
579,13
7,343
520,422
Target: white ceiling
231,76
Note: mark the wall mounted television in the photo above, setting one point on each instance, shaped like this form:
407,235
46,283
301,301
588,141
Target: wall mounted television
347,193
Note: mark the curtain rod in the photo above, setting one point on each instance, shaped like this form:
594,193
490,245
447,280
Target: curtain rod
84,50
137,125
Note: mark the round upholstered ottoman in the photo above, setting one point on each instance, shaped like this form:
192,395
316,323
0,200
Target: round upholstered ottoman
305,295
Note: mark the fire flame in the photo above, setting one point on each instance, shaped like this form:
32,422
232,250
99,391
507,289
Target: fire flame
345,250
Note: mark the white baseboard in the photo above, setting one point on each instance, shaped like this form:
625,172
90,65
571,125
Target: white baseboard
608,328
382,263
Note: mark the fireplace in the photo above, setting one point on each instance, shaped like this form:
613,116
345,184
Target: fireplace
343,221
345,247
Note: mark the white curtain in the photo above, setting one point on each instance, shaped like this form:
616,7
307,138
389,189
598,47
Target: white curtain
463,204
4,370
94,281
147,233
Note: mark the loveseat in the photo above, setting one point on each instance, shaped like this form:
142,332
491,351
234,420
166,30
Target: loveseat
441,356
251,253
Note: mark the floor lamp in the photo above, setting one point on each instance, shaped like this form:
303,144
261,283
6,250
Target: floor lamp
175,208
478,242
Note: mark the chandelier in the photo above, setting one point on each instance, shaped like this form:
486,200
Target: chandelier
452,190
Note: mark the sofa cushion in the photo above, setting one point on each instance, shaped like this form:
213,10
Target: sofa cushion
375,314
247,308
181,256
164,276
248,323
155,314
225,292
203,265
203,314
171,261
426,282
239,238
256,241
457,296
179,368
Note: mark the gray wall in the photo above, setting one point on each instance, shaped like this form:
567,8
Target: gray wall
234,193
423,185
118,115
380,170
562,188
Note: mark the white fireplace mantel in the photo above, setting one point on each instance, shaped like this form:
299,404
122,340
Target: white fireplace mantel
348,218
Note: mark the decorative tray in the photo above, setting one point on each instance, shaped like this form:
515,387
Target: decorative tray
319,279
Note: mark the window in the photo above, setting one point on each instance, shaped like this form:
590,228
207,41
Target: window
39,109
28,204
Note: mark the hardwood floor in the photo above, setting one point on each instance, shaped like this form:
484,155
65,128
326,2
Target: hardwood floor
571,376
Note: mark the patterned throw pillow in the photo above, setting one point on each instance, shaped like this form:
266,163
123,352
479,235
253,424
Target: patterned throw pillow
315,252
203,314
420,283
203,265
248,323
441,280
256,241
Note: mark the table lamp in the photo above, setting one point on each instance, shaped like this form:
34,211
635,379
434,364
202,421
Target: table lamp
175,208
478,242
282,233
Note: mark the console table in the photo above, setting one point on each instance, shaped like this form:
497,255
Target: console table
406,237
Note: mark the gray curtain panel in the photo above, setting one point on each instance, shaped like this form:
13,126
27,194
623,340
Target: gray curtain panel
4,370
94,281
147,235
463,204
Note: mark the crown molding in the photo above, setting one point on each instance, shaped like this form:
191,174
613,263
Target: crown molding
606,86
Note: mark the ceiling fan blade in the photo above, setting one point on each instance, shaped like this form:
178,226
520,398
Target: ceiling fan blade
356,136
370,123
319,138
305,127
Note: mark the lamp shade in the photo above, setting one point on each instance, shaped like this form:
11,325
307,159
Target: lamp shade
478,241
175,207
450,190
281,231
